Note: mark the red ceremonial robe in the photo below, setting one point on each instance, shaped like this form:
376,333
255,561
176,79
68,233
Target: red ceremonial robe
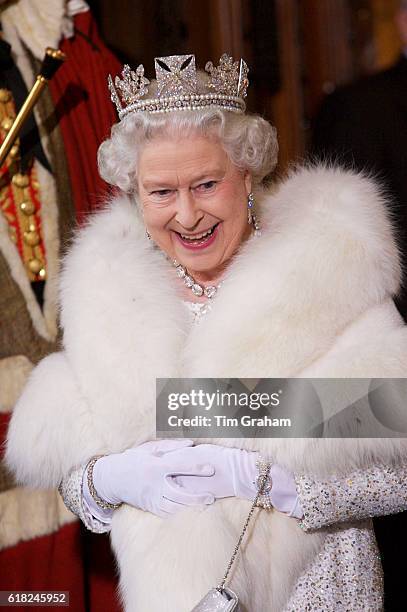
69,559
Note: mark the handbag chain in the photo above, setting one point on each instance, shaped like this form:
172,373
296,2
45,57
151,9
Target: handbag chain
262,483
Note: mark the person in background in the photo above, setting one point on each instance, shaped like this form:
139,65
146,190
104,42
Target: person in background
364,126
48,183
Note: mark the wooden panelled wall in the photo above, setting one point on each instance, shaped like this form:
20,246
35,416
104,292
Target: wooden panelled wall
298,50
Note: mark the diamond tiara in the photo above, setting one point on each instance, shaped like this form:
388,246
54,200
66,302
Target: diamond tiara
180,87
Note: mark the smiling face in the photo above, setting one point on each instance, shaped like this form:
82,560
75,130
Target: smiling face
194,202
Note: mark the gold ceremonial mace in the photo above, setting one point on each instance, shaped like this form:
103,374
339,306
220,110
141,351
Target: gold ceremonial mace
52,61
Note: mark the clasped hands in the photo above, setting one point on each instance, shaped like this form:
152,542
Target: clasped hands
165,476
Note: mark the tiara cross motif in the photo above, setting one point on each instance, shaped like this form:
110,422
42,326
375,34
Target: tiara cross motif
179,87
176,74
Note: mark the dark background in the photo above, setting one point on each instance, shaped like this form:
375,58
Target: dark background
297,50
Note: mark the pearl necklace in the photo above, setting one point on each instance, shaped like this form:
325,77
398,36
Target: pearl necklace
189,281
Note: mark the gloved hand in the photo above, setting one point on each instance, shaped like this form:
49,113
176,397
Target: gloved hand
234,474
145,477
283,494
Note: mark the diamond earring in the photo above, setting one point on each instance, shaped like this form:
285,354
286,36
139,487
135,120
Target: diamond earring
250,205
251,215
148,234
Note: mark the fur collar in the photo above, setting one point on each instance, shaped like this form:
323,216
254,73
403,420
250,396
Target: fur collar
318,278
326,255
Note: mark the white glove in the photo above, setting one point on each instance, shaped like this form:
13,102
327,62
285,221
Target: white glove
283,494
143,477
234,474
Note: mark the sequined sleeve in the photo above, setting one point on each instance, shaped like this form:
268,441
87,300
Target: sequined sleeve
364,493
72,494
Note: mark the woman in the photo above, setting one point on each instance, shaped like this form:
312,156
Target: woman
309,297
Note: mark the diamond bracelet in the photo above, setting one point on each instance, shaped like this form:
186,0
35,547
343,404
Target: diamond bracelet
263,483
100,502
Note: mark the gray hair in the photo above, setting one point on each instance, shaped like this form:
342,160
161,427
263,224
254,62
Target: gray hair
249,140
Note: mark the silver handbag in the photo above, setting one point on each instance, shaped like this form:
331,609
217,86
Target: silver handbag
218,601
222,599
